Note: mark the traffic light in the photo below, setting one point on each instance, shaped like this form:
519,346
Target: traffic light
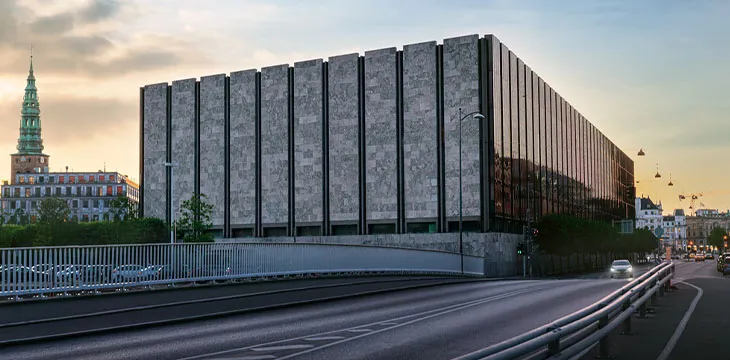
520,248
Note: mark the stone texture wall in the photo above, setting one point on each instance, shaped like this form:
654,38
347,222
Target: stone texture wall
308,179
243,147
212,143
461,90
183,141
380,135
155,150
275,144
344,193
420,133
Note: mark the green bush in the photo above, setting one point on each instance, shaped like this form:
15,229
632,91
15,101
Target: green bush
141,231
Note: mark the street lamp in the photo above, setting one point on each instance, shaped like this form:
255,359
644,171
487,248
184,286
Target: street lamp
172,200
477,115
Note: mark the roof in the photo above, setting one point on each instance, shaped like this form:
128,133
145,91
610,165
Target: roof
668,218
678,212
647,204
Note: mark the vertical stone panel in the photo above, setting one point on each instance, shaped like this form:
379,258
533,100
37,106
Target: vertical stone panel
344,182
461,90
515,129
183,141
308,141
155,150
380,135
275,144
243,148
420,167
212,143
507,159
496,89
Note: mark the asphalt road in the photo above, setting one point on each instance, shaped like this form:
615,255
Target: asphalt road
429,323
677,329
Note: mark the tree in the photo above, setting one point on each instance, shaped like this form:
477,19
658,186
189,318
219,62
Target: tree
717,237
53,211
122,209
195,219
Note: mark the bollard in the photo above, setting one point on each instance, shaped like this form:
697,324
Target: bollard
627,323
603,352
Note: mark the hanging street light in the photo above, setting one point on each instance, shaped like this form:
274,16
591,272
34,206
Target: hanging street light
641,152
657,171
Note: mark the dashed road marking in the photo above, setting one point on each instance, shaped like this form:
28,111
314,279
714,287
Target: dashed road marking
325,338
283,347
360,330
388,323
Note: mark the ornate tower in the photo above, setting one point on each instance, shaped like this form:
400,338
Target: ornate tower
30,157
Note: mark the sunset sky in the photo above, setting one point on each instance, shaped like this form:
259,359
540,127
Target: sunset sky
649,74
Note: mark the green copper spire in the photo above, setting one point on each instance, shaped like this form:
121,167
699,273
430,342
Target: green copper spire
30,142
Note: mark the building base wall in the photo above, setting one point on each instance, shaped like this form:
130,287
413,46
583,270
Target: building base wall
499,250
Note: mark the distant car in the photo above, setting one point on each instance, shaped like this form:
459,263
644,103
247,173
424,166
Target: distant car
709,256
725,269
700,257
692,255
621,268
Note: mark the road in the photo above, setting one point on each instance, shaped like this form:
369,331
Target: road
427,323
678,330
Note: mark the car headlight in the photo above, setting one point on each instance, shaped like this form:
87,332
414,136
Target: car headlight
630,268
613,270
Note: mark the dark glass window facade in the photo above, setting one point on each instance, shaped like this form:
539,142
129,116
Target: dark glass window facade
548,158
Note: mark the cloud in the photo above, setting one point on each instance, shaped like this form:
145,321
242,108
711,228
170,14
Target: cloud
100,10
86,42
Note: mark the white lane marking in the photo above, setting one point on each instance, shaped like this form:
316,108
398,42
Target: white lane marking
494,297
324,338
394,327
682,324
360,330
283,347
388,324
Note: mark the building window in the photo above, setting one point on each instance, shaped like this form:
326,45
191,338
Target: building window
17,192
31,180
109,191
111,178
86,204
48,191
120,191
75,204
27,192
91,178
61,179
21,180
100,191
72,179
38,192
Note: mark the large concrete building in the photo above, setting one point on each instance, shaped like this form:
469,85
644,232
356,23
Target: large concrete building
369,144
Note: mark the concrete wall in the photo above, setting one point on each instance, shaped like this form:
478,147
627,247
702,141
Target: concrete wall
183,141
499,250
212,143
275,145
420,132
308,179
155,150
461,90
243,148
380,135
344,193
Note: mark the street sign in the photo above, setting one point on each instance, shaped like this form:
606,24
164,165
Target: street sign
659,231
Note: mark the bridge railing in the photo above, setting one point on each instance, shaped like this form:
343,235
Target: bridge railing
571,336
43,270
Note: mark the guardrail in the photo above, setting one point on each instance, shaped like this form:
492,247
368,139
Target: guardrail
571,336
44,270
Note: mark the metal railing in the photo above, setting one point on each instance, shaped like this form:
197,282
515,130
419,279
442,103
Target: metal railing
44,270
571,336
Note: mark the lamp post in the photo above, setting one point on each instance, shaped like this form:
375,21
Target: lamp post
172,200
477,115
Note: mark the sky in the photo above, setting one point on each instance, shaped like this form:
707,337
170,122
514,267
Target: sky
649,74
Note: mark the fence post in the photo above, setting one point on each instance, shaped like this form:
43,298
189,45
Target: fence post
603,352
627,323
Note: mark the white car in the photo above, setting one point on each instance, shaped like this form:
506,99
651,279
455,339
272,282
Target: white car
621,268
